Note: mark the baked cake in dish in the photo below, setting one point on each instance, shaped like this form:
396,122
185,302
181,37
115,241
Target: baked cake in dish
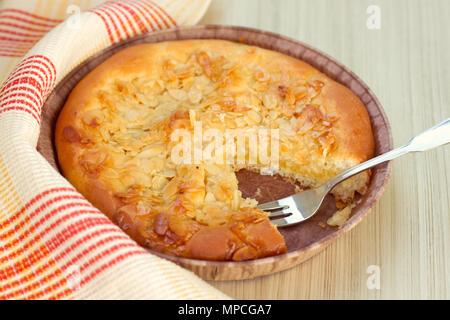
115,141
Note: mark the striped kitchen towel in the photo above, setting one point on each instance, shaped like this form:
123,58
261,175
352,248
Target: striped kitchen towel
53,243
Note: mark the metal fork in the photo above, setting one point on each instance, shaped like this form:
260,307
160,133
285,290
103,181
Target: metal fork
303,205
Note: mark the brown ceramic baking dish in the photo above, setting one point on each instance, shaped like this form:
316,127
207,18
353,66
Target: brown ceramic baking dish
303,240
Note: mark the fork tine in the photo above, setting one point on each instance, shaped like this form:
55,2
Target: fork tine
295,208
289,217
273,205
281,212
281,222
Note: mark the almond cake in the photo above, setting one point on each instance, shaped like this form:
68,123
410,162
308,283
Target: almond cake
114,142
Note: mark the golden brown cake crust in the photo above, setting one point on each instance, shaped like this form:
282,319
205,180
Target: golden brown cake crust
348,140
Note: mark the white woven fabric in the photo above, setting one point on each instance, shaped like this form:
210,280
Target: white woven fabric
53,242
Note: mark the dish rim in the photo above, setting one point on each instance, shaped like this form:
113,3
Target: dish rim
183,33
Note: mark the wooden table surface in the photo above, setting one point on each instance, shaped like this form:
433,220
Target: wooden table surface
406,62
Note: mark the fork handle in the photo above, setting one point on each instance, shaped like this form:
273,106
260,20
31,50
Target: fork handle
434,137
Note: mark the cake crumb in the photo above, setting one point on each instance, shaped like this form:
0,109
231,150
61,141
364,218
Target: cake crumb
355,203
322,225
339,217
340,204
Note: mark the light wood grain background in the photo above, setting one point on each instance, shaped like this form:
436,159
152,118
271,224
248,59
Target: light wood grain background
407,64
